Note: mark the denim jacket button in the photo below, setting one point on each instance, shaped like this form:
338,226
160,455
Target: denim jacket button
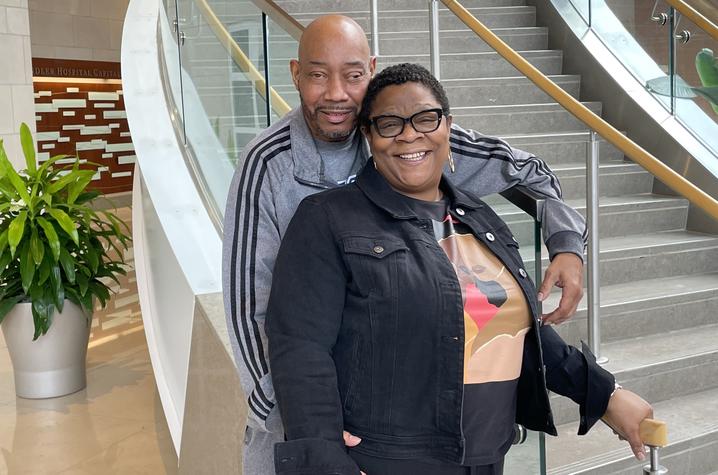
522,273
460,211
378,249
490,237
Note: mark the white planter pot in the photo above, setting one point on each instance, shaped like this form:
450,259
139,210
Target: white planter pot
54,364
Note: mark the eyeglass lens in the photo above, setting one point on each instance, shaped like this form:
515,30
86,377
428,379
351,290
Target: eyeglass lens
424,122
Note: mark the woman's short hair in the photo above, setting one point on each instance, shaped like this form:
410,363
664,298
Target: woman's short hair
400,74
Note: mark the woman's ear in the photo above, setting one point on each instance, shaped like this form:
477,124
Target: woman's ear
366,131
448,121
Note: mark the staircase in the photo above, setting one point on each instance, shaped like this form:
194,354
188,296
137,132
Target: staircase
659,294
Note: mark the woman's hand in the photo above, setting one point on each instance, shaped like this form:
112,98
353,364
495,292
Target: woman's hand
624,414
351,441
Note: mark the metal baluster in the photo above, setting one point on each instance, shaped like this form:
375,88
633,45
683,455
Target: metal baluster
594,282
434,38
374,9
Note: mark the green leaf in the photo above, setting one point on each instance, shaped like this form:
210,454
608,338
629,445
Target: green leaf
16,230
44,271
5,259
3,241
27,267
49,162
82,282
75,189
51,236
56,290
36,247
66,223
68,265
28,148
40,316
7,304
71,177
6,169
92,258
86,196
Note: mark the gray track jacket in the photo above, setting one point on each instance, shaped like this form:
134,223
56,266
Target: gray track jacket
279,168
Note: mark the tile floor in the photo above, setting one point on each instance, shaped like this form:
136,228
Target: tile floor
114,426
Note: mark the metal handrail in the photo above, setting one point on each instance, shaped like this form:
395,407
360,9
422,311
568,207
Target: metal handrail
695,16
631,149
279,105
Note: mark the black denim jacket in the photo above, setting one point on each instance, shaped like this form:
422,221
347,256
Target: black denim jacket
366,333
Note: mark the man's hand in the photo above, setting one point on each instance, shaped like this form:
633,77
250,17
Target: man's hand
566,272
624,414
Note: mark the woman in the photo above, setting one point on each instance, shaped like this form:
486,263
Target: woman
401,312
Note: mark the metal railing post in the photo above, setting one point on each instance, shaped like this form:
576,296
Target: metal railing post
434,38
594,281
374,10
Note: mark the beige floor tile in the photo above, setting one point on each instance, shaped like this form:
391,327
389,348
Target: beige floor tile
41,441
144,453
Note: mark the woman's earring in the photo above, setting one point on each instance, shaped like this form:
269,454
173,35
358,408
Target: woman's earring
451,162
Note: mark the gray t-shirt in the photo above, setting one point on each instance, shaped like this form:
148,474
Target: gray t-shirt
340,160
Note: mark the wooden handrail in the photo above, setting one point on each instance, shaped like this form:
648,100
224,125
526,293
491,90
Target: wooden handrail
281,18
695,16
631,149
278,104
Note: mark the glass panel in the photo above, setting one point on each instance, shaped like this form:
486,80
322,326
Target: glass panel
171,52
583,8
640,43
282,48
525,457
223,90
696,82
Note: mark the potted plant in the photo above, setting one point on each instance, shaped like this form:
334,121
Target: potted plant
54,264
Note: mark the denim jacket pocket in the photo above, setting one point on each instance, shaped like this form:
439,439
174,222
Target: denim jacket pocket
375,263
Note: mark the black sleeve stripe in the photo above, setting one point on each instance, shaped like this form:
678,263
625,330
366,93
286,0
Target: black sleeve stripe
245,344
260,409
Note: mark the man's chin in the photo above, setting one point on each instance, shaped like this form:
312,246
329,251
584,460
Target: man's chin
335,134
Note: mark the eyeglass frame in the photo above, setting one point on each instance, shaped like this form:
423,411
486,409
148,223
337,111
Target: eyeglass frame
408,120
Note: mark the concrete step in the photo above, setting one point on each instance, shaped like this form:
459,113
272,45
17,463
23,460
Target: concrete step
693,442
481,65
418,19
327,6
461,41
504,90
618,215
660,366
633,258
645,307
507,119
615,179
557,148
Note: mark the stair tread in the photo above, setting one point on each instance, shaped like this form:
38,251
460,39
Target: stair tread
688,417
635,353
647,292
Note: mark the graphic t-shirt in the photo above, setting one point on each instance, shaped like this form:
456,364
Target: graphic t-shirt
496,320
340,160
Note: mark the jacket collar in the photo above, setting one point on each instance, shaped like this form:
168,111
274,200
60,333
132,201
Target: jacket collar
306,158
378,190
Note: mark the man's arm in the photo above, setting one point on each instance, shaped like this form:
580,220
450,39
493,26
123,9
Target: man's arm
487,165
249,248
303,321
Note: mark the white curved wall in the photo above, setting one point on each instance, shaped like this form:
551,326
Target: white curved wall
178,250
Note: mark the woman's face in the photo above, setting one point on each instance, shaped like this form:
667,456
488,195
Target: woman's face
412,162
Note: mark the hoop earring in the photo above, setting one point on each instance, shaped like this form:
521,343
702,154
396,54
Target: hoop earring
451,162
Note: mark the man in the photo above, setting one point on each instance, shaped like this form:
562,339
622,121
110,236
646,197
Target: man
318,146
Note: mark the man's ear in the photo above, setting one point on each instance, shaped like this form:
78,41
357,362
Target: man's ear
372,65
294,70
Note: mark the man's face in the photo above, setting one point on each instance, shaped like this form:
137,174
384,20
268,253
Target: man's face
332,78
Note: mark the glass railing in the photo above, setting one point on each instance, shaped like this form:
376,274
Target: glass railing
221,96
672,57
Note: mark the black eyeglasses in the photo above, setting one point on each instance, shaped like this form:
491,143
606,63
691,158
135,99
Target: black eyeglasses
389,126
